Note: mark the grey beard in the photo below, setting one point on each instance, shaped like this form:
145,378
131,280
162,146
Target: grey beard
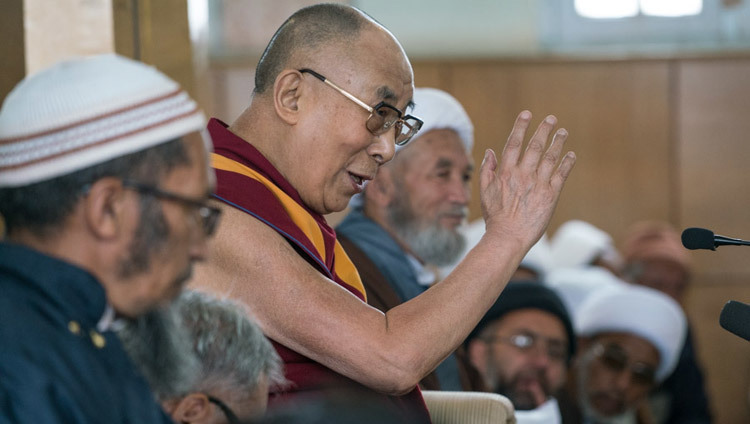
160,347
428,241
433,245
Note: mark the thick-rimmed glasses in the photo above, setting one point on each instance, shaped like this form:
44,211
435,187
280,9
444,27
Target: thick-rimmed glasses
209,215
556,349
382,116
616,359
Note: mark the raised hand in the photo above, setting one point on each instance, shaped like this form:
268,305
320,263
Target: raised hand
519,194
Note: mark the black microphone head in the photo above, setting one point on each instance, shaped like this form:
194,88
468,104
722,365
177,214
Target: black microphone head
735,318
698,238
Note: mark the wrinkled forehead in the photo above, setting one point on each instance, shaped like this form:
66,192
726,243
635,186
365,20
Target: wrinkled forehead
375,65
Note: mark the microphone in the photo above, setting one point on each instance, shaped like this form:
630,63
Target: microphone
735,318
701,238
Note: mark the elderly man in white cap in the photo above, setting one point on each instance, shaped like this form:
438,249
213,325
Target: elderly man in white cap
406,221
629,340
103,187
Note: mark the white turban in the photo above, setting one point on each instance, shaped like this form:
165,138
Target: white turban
574,285
577,243
641,311
86,111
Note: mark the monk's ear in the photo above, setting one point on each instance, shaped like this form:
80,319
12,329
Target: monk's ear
104,207
287,91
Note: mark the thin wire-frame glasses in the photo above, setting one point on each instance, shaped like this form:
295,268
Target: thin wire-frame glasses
209,215
382,116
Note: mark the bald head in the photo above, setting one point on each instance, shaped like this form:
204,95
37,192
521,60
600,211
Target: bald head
306,31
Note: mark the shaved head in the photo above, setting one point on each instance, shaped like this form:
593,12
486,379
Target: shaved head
306,31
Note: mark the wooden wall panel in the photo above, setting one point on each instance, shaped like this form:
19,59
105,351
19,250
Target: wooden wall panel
618,117
724,356
157,33
712,103
714,155
13,65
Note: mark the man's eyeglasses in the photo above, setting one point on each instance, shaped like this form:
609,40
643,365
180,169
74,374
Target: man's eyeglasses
382,116
231,417
556,349
616,359
209,215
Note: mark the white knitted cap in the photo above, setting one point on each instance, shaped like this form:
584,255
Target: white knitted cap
86,111
638,310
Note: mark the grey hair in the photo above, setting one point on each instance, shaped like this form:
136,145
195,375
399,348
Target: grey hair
159,345
232,351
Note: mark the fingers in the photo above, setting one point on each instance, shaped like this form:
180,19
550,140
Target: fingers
512,149
487,169
563,171
537,144
550,158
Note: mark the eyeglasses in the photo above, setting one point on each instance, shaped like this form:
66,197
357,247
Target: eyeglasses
616,359
209,215
382,116
556,349
231,417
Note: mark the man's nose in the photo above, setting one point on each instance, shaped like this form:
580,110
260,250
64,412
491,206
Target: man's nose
383,147
459,191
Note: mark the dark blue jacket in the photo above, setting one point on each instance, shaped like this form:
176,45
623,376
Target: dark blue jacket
55,366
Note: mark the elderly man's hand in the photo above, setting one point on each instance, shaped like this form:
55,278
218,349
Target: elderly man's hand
520,193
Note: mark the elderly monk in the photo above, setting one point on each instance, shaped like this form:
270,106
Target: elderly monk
331,96
104,181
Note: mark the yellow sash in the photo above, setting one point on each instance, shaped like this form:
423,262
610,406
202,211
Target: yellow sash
343,266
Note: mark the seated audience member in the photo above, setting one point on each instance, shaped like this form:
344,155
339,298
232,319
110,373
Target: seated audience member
332,93
629,341
522,348
104,183
654,257
205,359
405,223
578,244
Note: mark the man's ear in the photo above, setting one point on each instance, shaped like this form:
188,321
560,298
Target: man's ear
287,90
104,207
193,408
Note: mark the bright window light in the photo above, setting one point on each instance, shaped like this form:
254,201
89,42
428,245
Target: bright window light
197,18
608,9
671,8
